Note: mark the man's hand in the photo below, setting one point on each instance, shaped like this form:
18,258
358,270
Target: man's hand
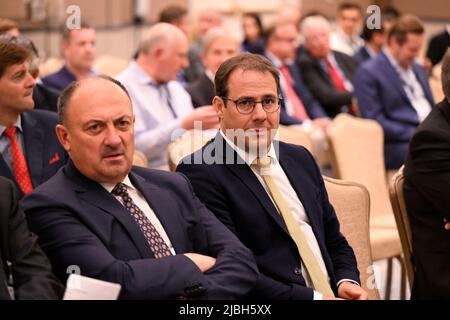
447,224
204,263
205,114
351,291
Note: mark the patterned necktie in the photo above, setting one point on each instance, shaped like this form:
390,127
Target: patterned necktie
159,248
21,172
318,278
298,107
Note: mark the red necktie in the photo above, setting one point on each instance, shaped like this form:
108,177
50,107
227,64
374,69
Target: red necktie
297,104
335,77
19,163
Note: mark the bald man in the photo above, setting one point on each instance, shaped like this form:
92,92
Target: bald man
160,103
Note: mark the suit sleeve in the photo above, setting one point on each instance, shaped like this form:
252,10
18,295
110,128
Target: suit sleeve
31,270
430,157
367,91
215,199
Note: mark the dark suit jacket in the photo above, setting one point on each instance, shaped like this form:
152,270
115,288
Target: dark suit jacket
235,195
43,152
381,97
320,83
30,268
438,46
60,79
202,91
361,55
86,226
45,98
427,196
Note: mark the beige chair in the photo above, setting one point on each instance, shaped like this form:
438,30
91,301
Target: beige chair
51,65
356,149
401,216
188,143
294,135
139,159
110,65
351,203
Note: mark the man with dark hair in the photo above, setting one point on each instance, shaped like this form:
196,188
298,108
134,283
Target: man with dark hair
141,228
393,89
346,37
427,197
176,15
271,194
374,40
29,150
21,259
438,45
10,27
78,46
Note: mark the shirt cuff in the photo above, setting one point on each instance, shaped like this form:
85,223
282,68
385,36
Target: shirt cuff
317,296
347,280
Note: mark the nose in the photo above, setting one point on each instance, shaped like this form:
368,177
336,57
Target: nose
113,138
30,83
259,113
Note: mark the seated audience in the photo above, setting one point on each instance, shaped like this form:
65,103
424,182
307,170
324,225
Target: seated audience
427,197
20,256
253,34
78,46
29,150
143,229
160,103
393,89
271,194
218,46
346,37
328,74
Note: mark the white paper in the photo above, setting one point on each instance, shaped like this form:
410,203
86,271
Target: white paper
85,288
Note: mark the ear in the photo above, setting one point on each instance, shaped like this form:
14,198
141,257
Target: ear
219,106
63,136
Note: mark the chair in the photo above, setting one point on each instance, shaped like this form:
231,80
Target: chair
352,204
401,216
184,145
357,154
110,65
139,159
295,135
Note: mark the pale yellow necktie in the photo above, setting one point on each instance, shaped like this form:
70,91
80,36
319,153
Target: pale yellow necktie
318,278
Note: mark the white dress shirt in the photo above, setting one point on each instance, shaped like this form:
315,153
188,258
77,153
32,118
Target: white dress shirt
412,87
342,42
140,201
155,122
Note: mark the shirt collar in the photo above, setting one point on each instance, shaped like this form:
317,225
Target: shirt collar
250,158
210,75
394,62
140,75
18,125
110,186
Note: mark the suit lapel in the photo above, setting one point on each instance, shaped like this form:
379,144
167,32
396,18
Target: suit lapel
7,173
393,77
33,141
243,172
162,204
423,80
97,196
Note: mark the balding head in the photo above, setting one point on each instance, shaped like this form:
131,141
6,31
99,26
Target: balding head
163,52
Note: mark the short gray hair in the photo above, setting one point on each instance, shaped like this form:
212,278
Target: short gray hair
445,74
314,22
214,34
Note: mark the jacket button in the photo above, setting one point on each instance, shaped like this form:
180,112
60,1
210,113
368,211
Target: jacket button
298,271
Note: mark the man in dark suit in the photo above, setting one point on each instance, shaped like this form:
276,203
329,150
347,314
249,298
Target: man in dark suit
218,46
29,150
227,177
393,89
427,177
21,259
143,229
78,46
328,74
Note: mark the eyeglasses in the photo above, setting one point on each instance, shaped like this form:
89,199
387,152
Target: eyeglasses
247,105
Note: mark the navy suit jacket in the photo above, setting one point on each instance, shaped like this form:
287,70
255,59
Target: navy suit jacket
381,97
361,55
60,79
202,91
234,194
88,227
43,152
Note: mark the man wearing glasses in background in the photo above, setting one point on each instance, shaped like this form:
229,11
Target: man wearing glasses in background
271,194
